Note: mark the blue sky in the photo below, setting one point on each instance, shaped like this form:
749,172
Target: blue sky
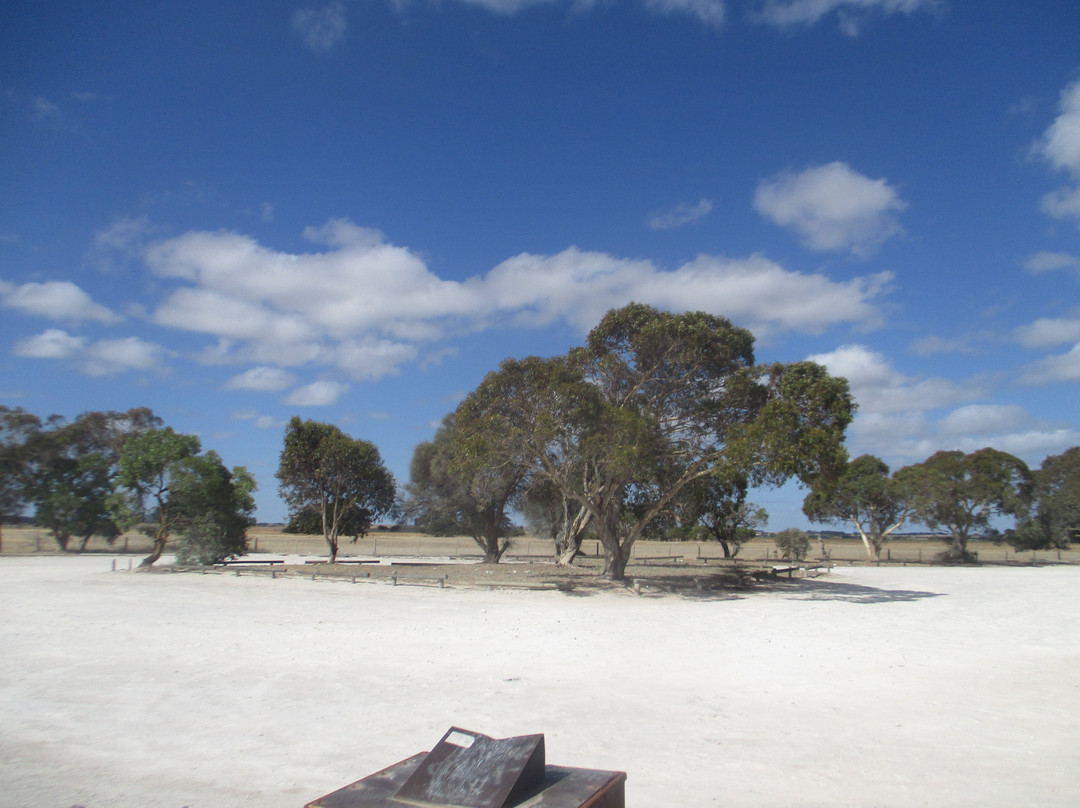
351,211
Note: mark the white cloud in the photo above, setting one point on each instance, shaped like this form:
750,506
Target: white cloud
260,421
103,358
56,300
832,208
316,394
1061,368
51,344
852,14
507,6
1050,261
980,419
880,388
1048,331
895,420
681,214
710,12
366,306
321,28
261,379
1060,146
112,356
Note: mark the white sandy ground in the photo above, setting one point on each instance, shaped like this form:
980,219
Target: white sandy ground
870,687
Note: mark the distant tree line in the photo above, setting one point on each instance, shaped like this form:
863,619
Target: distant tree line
963,495
108,472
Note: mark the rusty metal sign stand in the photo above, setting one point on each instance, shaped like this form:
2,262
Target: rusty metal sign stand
469,770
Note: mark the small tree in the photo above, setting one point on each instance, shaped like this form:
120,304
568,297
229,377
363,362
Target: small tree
148,466
864,495
323,468
792,544
962,493
720,507
214,508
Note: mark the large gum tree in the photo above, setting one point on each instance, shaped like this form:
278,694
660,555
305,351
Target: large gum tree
653,402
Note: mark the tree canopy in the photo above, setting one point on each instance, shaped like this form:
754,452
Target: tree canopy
1054,520
864,495
323,468
963,493
651,403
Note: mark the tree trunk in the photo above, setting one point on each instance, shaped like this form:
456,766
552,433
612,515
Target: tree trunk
568,542
62,540
724,546
616,557
155,554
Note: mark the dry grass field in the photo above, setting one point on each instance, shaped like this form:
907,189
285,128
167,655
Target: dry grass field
270,539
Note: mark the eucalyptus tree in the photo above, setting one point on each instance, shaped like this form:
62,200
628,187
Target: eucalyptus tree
866,496
964,493
719,505
464,482
72,471
149,465
1054,520
653,402
18,429
323,468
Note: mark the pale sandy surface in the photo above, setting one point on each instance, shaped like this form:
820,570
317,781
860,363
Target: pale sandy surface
871,687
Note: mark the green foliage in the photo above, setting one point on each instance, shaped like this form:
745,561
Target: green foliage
308,521
213,509
653,402
323,468
1054,521
463,481
792,544
863,494
17,431
962,493
72,469
168,488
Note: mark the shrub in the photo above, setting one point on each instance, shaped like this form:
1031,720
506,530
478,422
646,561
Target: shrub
793,544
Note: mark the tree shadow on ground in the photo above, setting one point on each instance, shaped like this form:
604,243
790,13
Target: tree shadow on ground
818,589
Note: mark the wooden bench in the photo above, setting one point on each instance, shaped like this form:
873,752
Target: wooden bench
674,559
342,561
245,561
441,579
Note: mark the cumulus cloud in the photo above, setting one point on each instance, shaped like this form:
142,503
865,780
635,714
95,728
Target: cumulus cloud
896,413
316,394
852,15
1060,147
1048,331
51,344
367,306
879,387
261,379
104,358
681,214
1053,369
321,29
56,300
980,419
832,208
